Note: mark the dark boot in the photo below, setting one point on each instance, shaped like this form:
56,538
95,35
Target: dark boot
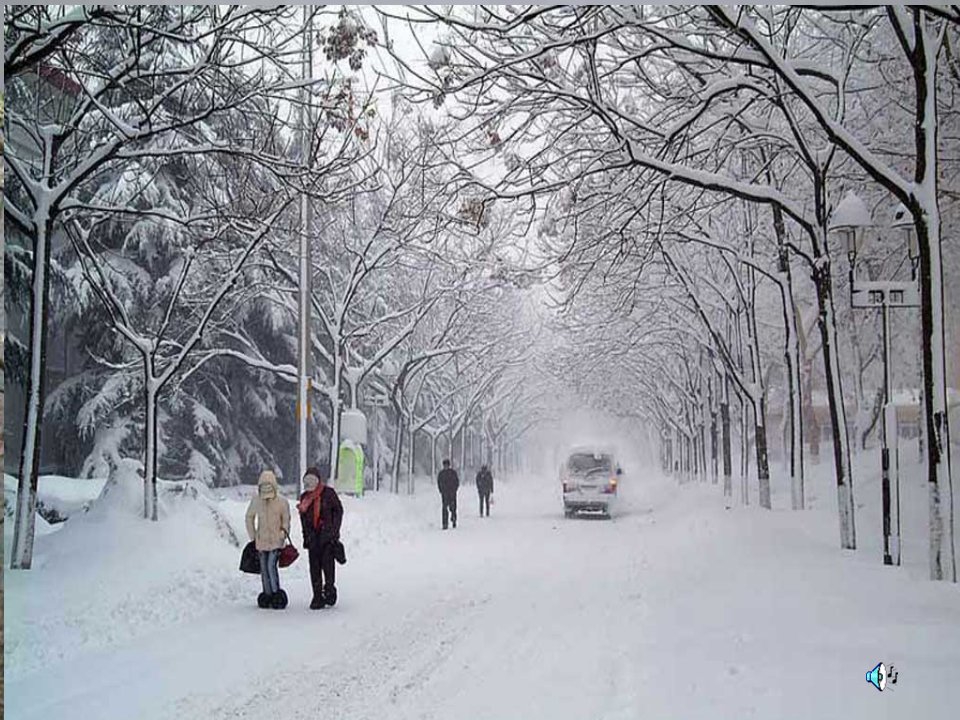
279,600
318,602
330,596
263,600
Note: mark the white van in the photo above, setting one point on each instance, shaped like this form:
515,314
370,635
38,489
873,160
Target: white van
590,477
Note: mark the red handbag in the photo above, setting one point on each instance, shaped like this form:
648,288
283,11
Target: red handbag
288,553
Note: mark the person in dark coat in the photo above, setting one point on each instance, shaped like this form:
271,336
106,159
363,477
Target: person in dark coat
448,482
484,488
321,515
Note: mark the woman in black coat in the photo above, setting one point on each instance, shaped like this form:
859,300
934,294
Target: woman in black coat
321,515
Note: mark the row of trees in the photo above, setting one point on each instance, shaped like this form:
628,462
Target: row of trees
682,165
159,162
689,160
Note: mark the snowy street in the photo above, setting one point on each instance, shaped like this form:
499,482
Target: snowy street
672,609
678,284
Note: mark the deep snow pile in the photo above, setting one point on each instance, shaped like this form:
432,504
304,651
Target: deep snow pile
56,496
676,608
110,577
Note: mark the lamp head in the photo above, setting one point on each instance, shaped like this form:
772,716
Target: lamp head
849,220
903,222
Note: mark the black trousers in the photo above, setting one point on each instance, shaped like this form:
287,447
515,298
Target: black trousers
322,568
449,508
484,500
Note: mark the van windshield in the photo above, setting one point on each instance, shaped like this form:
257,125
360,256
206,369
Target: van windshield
585,463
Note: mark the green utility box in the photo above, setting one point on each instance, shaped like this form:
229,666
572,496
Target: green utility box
350,469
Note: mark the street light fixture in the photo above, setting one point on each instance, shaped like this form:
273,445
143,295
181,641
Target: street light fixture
850,221
903,223
388,372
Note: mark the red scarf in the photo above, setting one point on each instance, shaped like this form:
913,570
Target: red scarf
312,498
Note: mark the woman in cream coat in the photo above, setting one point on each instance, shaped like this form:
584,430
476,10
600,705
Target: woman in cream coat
268,524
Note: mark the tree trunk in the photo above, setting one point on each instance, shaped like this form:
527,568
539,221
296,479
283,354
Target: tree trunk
704,467
150,444
926,214
744,453
35,393
794,401
713,429
791,358
744,439
810,413
397,453
921,419
838,415
725,439
763,466
759,401
759,408
334,438
335,403
412,460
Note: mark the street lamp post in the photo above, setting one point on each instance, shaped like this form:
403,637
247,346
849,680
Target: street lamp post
377,401
850,220
303,300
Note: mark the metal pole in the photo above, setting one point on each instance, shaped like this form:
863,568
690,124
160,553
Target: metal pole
885,440
306,212
889,459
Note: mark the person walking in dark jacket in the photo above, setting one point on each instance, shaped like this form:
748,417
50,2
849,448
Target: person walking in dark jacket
448,482
321,515
484,488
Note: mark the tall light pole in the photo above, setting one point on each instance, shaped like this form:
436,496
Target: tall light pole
850,220
388,371
306,217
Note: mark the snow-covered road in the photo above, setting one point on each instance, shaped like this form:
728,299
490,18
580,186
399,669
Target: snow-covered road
675,609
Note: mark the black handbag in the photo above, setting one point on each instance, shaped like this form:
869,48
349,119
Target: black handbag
250,559
339,552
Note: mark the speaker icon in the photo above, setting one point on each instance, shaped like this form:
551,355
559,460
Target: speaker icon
878,676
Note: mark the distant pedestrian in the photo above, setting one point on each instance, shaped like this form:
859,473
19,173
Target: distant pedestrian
321,515
268,525
448,482
484,488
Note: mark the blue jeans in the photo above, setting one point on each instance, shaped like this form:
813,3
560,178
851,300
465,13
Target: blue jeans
269,571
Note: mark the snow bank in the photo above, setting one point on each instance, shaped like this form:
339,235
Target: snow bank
64,495
58,497
109,576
